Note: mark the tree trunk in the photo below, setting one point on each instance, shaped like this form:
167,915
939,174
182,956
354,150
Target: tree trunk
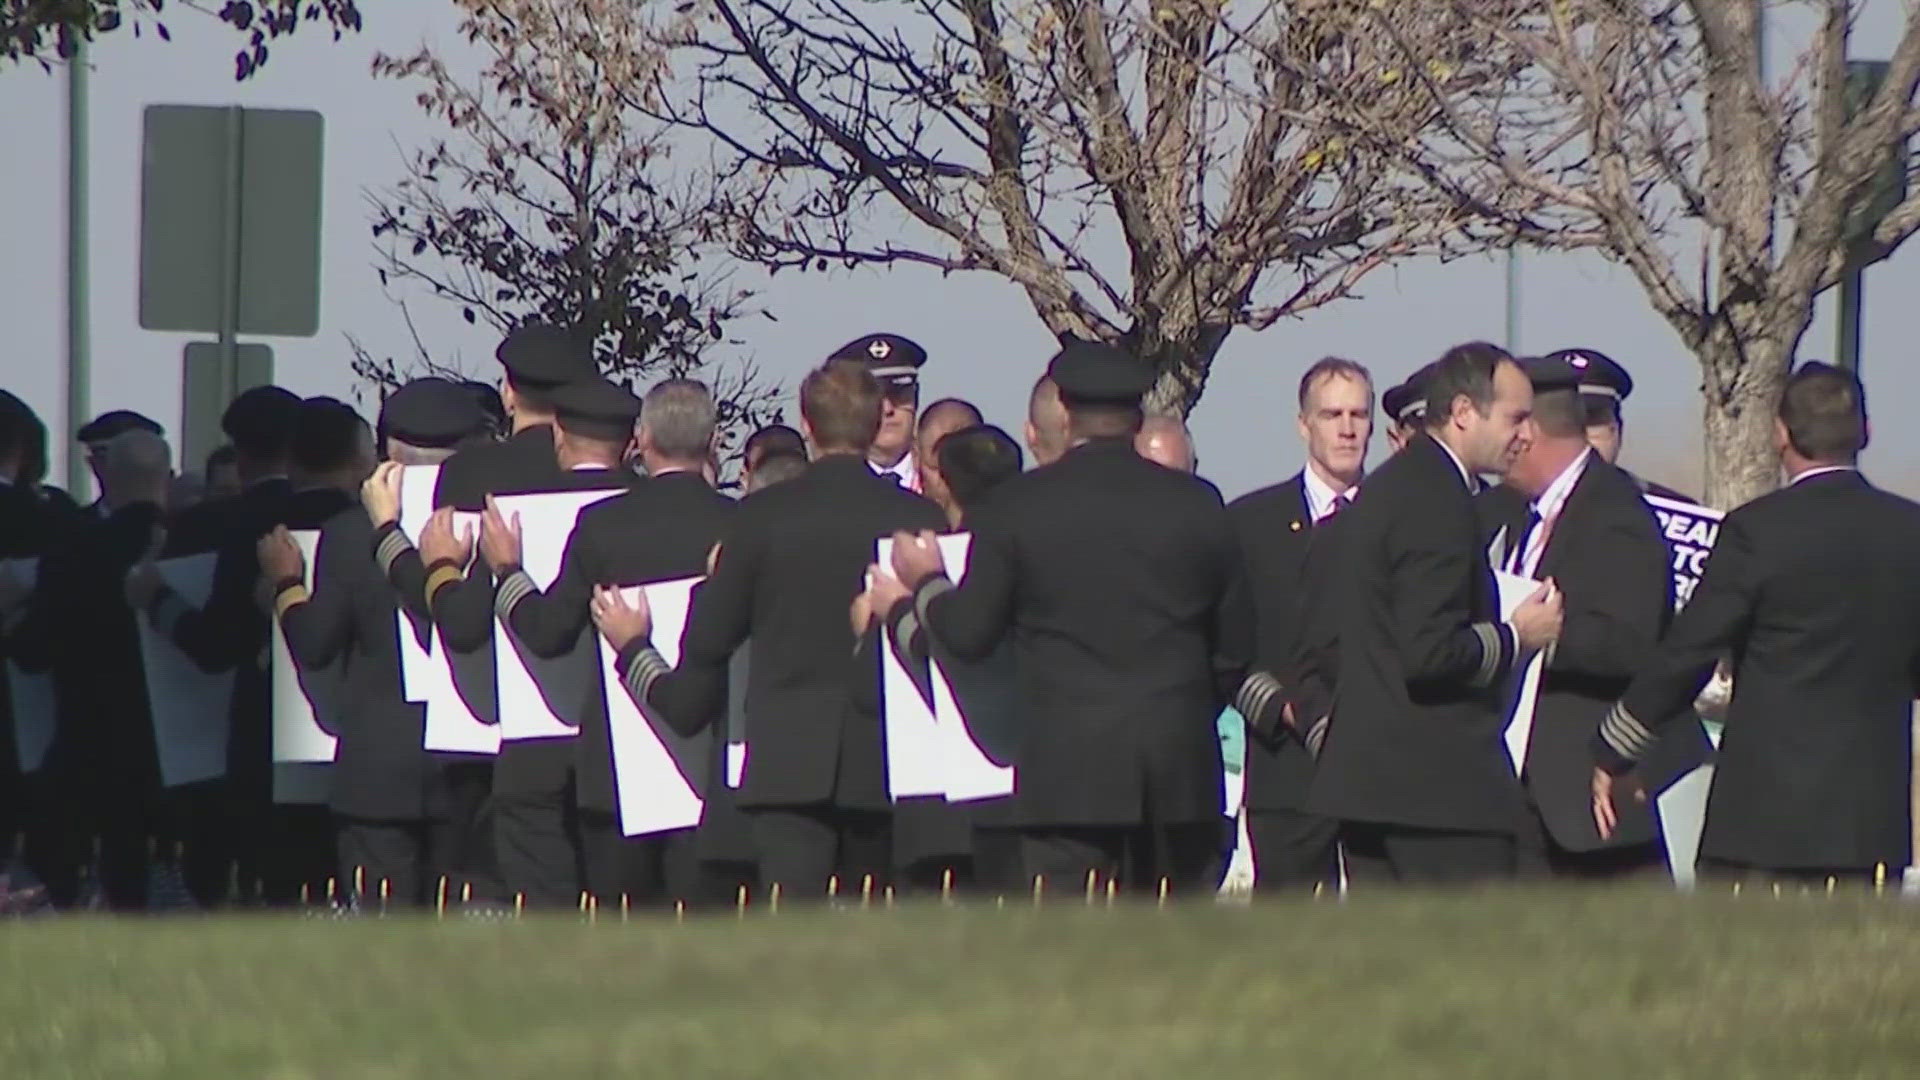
1743,381
1183,357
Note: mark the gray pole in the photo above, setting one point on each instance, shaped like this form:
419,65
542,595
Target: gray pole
230,259
78,373
1852,307
1513,300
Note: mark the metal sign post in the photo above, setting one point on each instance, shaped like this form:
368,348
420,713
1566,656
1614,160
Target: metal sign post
229,244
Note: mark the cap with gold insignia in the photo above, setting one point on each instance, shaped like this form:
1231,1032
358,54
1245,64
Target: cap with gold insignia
1552,372
596,408
1095,373
542,356
1407,403
431,413
1597,373
892,359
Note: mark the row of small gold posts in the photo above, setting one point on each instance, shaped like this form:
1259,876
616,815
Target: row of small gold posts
590,904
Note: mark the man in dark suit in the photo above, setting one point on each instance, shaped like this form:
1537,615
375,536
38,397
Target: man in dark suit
1815,591
1117,582
434,588
793,557
895,363
24,522
102,770
1567,515
535,787
1413,762
95,434
347,623
967,465
661,530
226,819
1277,526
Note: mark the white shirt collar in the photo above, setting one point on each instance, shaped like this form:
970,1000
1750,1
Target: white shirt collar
1320,494
1466,474
909,476
1820,471
1555,497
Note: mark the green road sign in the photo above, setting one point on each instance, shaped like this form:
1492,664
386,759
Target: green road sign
230,220
205,392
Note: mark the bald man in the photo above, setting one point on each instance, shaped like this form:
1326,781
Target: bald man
937,421
1166,441
1046,423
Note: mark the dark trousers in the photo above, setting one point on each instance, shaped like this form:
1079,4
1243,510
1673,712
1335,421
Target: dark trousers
1540,856
460,818
1721,871
996,861
1293,850
305,842
536,839
648,871
384,860
84,862
1185,855
804,849
1385,855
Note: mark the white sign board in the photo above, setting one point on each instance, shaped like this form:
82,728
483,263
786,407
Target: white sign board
189,706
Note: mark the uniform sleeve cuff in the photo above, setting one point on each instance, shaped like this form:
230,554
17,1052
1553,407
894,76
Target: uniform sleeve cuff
388,545
439,576
903,622
1260,702
1622,740
641,666
167,611
935,586
514,587
288,597
1316,736
1497,646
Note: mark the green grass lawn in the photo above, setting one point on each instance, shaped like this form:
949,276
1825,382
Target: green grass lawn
1602,984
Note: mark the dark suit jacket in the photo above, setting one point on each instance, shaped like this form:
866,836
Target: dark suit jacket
1276,531
1118,583
1416,731
77,625
230,633
24,522
1606,555
794,556
348,628
463,611
659,531
1815,589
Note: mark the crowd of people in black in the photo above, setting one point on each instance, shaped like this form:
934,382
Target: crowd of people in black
1111,606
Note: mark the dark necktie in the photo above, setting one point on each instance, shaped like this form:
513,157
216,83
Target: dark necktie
1340,502
893,476
1517,561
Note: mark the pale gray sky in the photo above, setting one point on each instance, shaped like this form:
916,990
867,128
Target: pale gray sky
983,340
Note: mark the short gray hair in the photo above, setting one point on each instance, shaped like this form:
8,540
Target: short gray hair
678,416
405,453
141,453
